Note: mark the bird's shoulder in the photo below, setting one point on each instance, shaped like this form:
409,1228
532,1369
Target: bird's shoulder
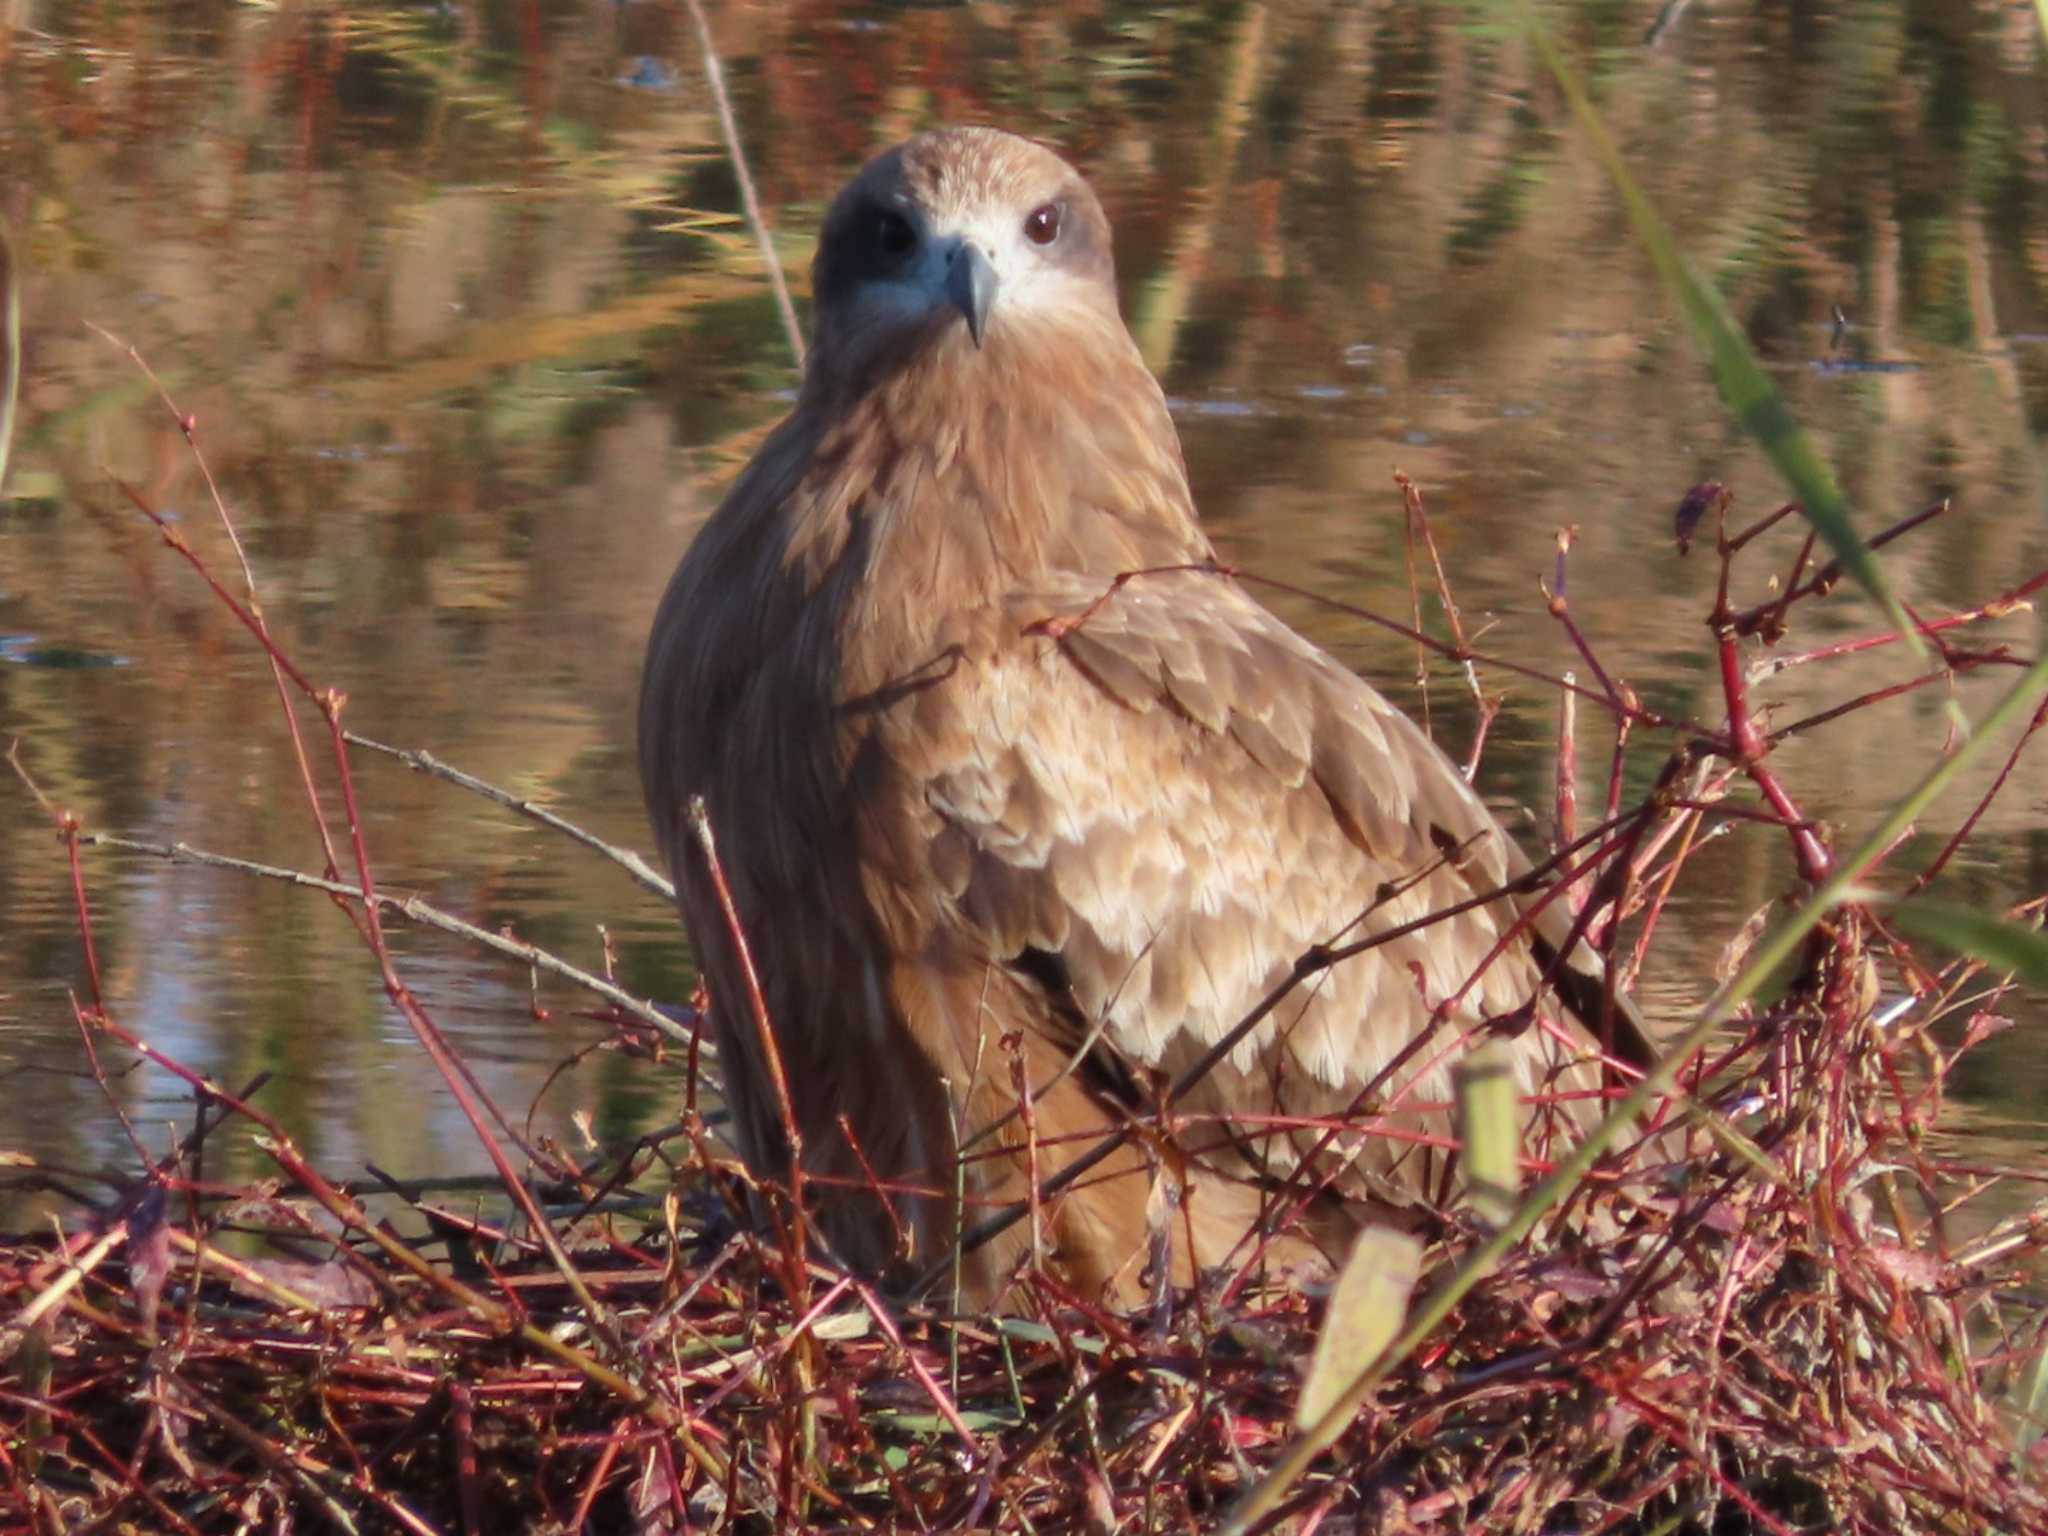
1183,662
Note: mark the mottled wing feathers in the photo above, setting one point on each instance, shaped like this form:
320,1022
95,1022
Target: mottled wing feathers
1176,796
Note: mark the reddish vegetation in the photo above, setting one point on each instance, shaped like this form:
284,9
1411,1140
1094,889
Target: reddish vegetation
1796,1336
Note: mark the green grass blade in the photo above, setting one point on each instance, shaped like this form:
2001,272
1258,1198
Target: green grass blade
1745,388
2000,944
10,348
1490,1126
1366,1311
2034,1393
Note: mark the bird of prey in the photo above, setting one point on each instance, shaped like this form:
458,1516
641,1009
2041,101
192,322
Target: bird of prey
1011,838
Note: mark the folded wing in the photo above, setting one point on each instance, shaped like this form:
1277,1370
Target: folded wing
1162,797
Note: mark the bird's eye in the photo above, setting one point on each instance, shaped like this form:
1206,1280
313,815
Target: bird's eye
892,233
1042,224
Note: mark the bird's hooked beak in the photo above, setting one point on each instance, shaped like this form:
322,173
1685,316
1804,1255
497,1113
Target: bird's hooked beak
971,286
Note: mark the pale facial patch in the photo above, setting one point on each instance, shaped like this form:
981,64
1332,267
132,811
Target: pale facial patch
1031,283
886,263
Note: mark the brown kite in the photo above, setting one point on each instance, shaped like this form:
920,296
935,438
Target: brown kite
1004,834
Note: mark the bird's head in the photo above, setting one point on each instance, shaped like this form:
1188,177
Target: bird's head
957,239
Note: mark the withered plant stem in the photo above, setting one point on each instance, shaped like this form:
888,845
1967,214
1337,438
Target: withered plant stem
771,1053
419,760
728,126
413,910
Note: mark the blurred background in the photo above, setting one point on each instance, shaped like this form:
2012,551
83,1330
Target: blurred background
458,300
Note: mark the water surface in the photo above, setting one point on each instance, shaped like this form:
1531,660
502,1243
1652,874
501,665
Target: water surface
457,303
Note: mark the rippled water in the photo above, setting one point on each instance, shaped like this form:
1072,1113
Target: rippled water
456,301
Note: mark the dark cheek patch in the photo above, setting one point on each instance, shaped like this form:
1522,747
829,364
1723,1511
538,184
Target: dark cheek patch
844,263
848,254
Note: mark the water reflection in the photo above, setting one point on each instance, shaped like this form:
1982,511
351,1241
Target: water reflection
457,303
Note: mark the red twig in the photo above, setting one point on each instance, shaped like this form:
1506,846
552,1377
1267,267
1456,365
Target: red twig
771,1052
1747,742
1753,620
1622,700
1998,607
1969,824
188,425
